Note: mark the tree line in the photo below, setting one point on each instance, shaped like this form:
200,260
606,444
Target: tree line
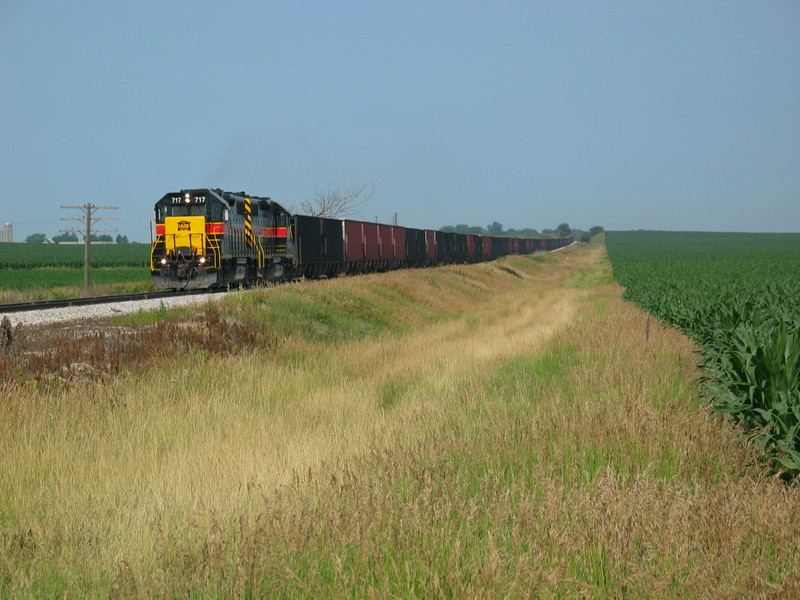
496,229
41,238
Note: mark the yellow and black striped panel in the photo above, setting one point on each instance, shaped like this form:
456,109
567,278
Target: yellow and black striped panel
248,222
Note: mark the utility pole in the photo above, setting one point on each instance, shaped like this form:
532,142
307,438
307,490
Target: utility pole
87,219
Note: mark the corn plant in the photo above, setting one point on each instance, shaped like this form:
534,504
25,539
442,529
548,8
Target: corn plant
736,296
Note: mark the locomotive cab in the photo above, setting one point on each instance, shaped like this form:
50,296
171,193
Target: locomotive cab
186,250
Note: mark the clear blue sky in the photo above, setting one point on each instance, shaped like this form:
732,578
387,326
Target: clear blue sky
628,114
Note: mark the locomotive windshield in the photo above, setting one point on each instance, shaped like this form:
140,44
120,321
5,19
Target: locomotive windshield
192,210
215,211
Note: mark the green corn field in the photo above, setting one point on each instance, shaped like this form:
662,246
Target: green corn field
33,256
738,297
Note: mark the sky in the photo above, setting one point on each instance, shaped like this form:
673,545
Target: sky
679,115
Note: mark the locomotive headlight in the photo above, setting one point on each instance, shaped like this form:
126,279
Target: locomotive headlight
187,198
163,261
202,260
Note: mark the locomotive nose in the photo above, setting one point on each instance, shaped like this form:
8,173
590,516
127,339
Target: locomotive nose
185,236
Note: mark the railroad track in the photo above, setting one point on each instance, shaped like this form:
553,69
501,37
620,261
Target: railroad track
92,300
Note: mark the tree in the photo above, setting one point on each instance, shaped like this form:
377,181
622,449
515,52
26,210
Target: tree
36,238
122,239
595,230
527,232
564,229
337,202
65,237
495,228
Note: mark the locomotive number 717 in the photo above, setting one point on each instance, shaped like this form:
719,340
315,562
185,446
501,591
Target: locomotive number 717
187,199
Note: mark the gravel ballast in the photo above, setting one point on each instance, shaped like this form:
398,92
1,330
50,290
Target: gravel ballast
73,313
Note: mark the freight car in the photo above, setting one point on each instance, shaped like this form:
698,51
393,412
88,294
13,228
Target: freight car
205,238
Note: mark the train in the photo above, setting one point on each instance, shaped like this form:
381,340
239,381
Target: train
210,238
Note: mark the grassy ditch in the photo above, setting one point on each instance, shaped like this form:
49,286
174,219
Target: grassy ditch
460,432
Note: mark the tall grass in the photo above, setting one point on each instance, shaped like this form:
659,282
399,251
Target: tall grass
500,436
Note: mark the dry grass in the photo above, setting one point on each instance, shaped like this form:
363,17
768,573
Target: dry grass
523,444
61,355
